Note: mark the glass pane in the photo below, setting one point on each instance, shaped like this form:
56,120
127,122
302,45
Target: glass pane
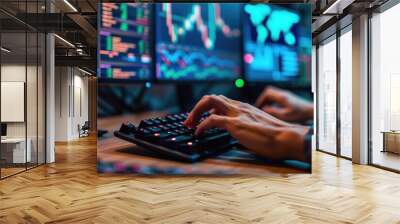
385,86
313,86
41,99
23,80
13,85
32,86
32,98
346,94
327,96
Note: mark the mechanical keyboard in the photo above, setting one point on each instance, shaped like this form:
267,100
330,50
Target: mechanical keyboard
169,137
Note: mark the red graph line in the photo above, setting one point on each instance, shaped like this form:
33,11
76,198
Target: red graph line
169,23
201,27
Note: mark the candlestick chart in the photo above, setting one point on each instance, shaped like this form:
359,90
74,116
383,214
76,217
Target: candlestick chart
198,41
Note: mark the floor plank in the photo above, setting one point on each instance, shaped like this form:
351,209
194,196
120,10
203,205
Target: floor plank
71,191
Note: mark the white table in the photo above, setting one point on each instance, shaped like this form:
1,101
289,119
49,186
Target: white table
18,149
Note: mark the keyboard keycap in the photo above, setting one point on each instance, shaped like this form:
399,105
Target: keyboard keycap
155,129
171,118
191,146
172,133
145,123
162,135
163,120
164,128
179,139
216,139
171,126
127,128
143,131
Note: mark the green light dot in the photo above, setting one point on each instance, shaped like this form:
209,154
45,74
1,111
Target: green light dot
239,83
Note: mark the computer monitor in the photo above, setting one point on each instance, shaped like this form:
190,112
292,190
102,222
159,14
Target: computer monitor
198,41
125,42
3,129
277,43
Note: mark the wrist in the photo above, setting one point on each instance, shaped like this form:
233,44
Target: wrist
309,111
292,140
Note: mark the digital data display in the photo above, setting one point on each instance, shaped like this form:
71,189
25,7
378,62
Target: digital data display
125,44
198,41
277,42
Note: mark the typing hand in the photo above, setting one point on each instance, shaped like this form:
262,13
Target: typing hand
258,131
285,105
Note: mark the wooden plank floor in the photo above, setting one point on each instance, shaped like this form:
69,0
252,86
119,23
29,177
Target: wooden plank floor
70,191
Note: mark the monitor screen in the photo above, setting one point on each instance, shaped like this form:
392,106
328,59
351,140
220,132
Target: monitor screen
277,43
3,129
198,41
125,44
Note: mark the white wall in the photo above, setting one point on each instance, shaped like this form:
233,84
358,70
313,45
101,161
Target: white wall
71,93
61,104
81,94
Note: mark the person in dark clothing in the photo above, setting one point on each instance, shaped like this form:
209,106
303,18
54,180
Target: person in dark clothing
271,130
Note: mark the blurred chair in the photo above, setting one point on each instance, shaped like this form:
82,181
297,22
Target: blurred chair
84,130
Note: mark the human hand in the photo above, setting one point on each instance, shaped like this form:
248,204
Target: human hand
285,105
256,130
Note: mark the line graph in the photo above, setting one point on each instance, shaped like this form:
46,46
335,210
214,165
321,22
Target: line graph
180,57
193,72
207,32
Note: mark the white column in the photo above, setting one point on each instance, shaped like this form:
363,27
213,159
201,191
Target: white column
314,93
360,90
50,99
50,92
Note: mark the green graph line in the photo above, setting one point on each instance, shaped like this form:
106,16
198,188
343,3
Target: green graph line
124,16
141,46
109,73
198,73
140,29
109,43
211,26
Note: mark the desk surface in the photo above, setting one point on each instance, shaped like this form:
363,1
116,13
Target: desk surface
116,155
391,132
13,140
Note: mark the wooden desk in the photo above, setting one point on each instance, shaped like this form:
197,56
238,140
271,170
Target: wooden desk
391,141
116,155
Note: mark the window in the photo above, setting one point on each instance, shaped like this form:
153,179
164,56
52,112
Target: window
346,93
385,89
327,96
22,101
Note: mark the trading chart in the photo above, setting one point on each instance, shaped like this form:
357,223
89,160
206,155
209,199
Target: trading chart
198,41
125,43
277,42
